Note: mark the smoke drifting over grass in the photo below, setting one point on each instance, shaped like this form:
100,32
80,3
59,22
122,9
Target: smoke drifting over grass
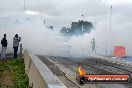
40,40
35,36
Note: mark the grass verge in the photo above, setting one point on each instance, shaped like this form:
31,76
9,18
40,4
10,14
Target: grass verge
12,74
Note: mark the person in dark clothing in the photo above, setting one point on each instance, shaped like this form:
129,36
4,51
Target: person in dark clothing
16,41
4,46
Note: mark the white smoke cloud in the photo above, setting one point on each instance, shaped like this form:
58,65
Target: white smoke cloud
61,13
35,36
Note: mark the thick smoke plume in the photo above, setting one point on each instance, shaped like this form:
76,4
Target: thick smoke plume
40,40
35,35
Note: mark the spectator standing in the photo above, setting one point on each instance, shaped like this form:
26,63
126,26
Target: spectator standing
4,46
16,41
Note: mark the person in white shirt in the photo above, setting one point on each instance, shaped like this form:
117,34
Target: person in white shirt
16,41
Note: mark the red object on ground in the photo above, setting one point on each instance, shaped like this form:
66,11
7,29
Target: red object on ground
119,51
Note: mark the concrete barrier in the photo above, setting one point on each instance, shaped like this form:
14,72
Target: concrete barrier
39,74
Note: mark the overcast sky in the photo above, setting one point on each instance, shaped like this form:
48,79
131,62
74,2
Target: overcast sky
61,13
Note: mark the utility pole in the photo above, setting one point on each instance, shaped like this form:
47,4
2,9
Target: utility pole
1,11
24,4
24,9
82,36
110,17
109,39
2,22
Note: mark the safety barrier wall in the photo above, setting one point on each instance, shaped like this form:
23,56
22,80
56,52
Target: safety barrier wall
39,74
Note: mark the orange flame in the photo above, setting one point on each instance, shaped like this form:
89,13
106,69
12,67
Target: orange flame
82,71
